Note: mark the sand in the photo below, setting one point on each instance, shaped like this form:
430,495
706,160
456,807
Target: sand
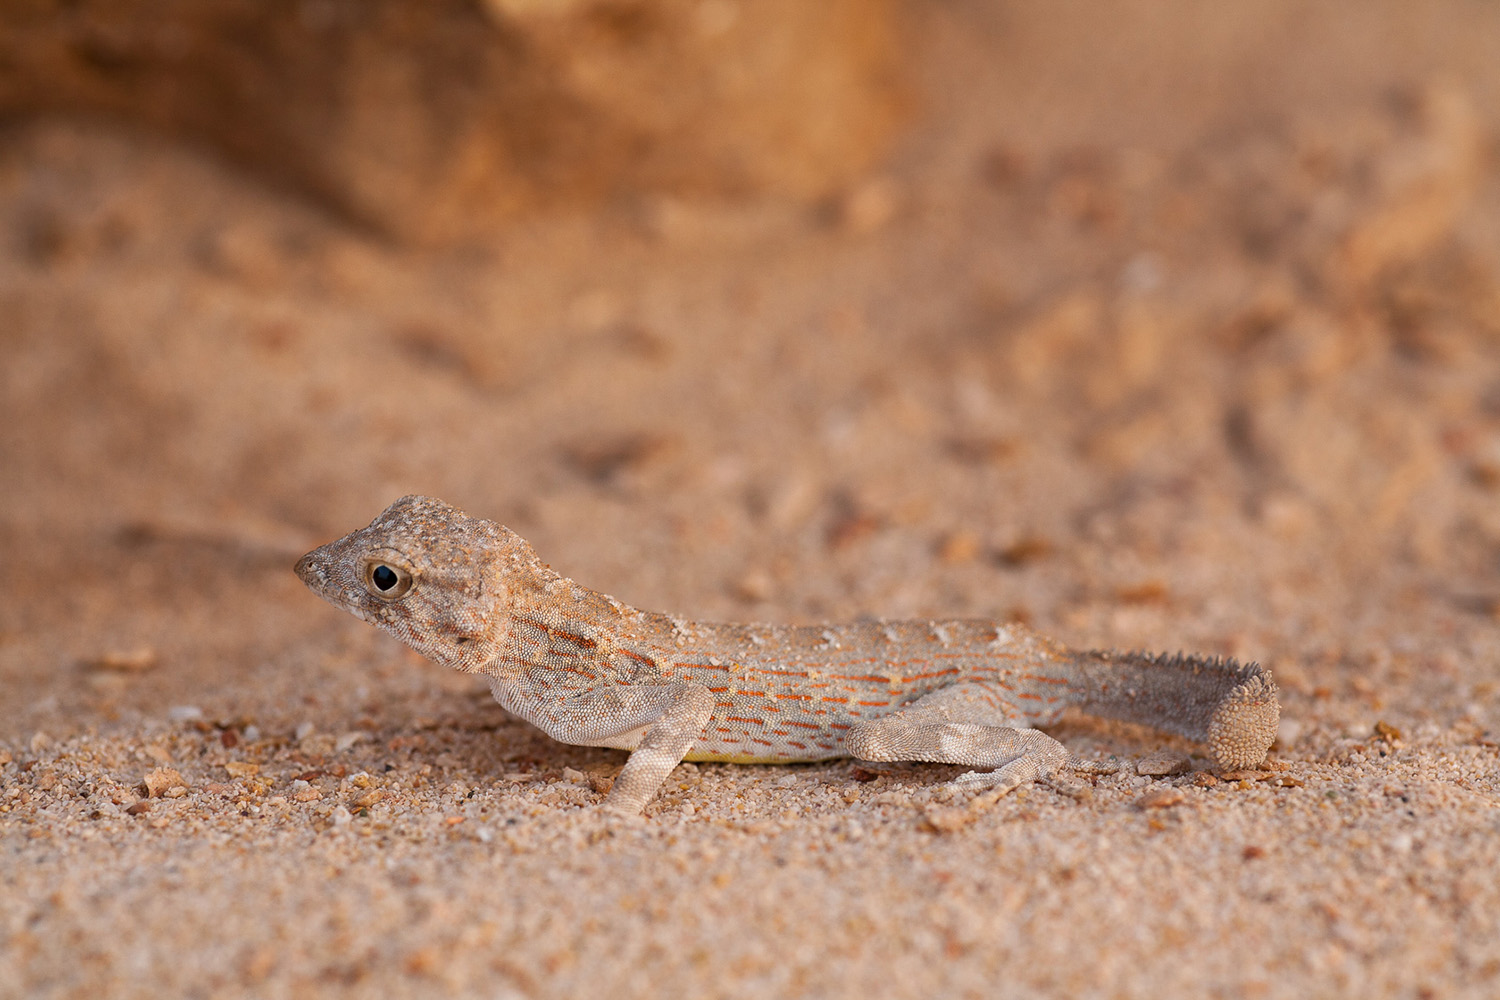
1155,331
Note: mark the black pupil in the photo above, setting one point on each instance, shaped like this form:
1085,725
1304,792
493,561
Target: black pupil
384,577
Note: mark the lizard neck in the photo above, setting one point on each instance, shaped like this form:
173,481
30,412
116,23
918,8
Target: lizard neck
556,627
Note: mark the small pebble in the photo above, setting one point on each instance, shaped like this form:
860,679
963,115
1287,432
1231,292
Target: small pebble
1163,763
949,820
755,585
132,661
1160,798
162,780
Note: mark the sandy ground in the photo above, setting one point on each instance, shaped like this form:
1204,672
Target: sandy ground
1158,330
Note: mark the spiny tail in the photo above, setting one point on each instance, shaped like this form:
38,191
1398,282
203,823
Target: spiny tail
1230,706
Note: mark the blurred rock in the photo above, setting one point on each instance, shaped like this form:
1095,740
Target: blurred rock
434,119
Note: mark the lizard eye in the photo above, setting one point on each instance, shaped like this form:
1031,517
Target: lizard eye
386,580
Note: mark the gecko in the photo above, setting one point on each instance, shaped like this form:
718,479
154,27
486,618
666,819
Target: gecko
589,670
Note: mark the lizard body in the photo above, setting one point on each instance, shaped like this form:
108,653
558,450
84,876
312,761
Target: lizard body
589,670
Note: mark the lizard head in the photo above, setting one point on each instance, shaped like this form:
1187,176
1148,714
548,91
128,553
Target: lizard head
430,575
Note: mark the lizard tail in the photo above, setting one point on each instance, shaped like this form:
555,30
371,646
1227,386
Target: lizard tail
1231,706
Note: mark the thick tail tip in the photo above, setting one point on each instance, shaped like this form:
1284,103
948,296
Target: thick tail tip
1243,726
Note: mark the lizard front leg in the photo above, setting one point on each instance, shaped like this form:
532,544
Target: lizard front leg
659,724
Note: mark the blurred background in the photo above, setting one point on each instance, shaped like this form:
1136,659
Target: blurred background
1152,325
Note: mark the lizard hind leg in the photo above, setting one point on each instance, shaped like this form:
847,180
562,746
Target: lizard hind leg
961,725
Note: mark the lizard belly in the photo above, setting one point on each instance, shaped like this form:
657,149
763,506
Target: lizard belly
709,750
713,757
740,734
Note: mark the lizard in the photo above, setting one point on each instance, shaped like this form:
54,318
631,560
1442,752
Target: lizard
590,670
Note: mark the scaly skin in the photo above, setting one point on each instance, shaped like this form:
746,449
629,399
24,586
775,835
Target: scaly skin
589,670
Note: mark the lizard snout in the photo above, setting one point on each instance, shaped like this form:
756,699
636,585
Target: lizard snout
309,569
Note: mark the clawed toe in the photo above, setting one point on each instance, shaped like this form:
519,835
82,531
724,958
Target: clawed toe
1092,766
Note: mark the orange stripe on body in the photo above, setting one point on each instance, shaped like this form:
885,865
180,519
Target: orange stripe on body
935,673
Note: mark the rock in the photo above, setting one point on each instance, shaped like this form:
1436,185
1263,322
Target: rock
436,119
